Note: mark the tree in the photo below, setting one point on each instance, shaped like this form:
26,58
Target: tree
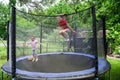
109,9
36,6
4,17
12,2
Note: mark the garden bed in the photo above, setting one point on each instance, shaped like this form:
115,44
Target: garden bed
114,56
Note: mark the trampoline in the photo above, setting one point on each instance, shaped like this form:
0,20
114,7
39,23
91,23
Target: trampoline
83,57
54,66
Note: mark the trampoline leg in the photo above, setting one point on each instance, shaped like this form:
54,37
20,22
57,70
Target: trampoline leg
7,76
13,79
2,76
109,74
96,78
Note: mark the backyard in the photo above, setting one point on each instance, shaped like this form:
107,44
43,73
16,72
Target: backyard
94,24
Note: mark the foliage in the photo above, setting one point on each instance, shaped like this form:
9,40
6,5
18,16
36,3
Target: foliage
4,17
109,10
67,7
36,6
113,37
61,7
12,2
22,22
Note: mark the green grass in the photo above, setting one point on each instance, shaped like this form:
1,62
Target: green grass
6,77
3,52
115,69
114,72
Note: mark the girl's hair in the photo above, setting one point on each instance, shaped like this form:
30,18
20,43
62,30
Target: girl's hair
62,15
33,36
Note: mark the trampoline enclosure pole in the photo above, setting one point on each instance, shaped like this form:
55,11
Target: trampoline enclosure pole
13,45
2,75
7,40
95,41
104,36
40,38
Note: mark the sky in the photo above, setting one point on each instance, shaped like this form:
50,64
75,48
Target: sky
4,1
7,1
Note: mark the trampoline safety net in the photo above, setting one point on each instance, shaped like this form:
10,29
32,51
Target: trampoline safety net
45,30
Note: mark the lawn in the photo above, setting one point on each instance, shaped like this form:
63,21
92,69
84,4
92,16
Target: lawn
6,77
114,73
115,68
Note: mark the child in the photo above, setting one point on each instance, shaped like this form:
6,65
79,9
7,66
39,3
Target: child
62,23
33,43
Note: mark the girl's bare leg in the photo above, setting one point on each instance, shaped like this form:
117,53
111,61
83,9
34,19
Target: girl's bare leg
64,33
35,57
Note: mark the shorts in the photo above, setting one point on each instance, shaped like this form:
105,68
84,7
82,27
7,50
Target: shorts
34,53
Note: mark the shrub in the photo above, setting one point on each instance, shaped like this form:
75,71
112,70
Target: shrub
113,38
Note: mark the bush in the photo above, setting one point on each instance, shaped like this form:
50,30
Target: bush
113,38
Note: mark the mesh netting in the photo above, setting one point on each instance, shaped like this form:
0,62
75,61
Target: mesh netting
46,32
100,39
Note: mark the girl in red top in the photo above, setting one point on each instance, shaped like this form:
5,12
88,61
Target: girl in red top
63,24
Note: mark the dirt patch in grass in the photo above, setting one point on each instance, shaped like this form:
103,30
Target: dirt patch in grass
114,56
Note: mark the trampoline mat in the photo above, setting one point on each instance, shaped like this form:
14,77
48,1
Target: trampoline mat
56,63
